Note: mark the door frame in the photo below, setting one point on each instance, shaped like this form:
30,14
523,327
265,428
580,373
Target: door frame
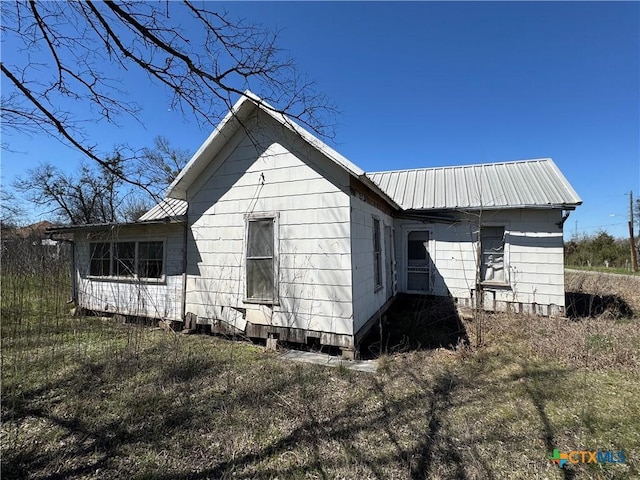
390,260
406,229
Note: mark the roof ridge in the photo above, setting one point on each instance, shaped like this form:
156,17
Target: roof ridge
452,167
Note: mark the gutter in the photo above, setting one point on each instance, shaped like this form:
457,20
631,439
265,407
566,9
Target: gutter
102,226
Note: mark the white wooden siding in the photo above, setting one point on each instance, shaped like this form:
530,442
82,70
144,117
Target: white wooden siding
533,256
273,171
366,298
155,299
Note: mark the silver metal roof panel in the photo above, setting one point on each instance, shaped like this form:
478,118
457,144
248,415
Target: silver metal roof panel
525,183
169,207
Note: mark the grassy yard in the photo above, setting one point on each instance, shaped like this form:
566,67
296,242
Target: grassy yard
93,398
618,271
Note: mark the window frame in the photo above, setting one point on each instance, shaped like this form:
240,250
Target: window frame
505,263
100,259
257,217
149,259
377,255
135,277
121,260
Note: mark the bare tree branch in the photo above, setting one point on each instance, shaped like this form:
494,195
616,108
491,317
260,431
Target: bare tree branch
203,58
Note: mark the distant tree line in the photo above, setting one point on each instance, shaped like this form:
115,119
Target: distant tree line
597,250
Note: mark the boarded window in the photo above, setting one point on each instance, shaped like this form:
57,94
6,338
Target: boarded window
492,245
100,264
377,254
261,260
150,257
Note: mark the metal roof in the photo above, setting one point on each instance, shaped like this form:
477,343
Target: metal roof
169,207
525,183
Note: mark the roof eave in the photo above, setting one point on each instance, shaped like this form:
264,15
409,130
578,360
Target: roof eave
211,146
552,206
227,127
101,226
369,183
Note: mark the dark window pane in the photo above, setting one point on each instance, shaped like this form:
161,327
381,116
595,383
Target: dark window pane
124,259
260,279
100,259
150,269
377,254
260,242
150,258
150,250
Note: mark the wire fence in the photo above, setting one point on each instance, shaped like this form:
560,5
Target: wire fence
35,280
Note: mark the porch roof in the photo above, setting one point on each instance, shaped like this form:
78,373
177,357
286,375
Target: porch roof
168,207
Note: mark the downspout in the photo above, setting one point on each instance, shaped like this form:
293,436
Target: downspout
564,218
183,313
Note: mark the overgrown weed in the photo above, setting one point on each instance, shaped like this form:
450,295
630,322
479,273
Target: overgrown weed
86,397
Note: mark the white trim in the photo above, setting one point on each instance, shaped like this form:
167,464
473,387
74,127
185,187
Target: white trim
380,264
406,229
505,255
275,217
134,278
227,128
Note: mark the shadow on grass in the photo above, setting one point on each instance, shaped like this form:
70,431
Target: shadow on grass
416,322
98,419
237,414
541,386
581,305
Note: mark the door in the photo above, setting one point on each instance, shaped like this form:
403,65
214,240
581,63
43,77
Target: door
418,261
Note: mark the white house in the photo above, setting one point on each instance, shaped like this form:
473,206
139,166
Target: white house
269,231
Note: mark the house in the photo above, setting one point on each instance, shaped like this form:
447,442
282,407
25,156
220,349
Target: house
34,235
270,232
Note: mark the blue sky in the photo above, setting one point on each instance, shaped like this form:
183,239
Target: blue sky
434,84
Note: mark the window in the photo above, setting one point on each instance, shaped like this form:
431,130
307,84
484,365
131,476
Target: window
100,264
261,275
492,245
124,259
127,259
377,254
150,255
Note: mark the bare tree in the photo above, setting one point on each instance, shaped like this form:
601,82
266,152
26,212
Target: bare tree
160,165
98,194
10,210
204,59
90,197
134,206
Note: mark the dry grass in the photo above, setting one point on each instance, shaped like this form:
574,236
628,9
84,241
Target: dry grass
92,398
615,287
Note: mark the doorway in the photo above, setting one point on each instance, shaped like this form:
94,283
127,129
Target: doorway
418,262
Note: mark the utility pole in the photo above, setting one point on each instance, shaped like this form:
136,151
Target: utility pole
632,243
